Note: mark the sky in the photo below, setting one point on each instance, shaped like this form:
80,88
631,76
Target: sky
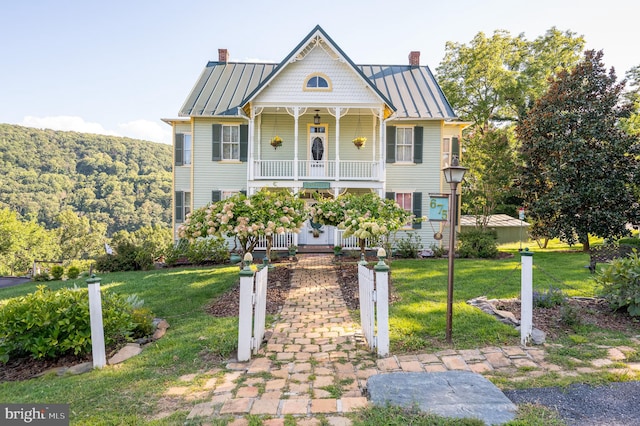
117,67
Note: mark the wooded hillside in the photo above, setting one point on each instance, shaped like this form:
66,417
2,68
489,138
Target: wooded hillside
121,182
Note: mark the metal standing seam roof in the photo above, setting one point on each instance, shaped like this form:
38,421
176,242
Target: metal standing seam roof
223,87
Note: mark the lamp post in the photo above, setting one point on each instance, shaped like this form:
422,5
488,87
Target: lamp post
453,175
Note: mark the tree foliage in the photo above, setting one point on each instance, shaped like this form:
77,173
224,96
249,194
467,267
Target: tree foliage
265,214
120,182
22,242
497,78
579,166
491,82
492,162
363,216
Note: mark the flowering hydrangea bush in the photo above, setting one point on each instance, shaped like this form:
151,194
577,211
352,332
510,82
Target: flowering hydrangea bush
363,216
247,218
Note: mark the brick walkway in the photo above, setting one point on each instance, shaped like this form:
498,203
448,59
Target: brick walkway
316,364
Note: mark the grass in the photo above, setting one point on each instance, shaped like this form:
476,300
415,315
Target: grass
417,322
528,414
132,391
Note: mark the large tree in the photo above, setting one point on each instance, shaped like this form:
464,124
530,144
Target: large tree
491,82
579,167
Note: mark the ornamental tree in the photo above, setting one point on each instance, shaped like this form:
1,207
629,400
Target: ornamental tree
247,218
363,216
579,168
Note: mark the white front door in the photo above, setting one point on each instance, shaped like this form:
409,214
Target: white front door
314,233
318,151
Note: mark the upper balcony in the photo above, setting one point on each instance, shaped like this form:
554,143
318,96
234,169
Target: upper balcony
312,169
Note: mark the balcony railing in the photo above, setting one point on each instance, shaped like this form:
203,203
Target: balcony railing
309,169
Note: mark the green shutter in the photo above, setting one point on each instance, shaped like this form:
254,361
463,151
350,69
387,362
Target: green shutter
216,196
216,143
417,144
179,196
455,147
391,144
243,192
390,196
179,149
417,209
244,142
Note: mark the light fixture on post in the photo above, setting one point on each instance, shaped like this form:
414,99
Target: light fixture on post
316,118
453,175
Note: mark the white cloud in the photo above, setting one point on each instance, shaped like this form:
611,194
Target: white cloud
67,122
147,130
137,129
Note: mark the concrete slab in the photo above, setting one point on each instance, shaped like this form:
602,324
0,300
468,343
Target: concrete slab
457,394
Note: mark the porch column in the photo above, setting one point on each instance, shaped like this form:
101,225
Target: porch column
337,144
383,145
336,241
251,143
296,111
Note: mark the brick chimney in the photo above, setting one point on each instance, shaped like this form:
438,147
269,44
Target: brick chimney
414,58
223,55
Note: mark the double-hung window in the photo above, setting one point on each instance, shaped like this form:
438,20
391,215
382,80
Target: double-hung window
405,200
230,142
182,205
411,202
404,144
183,149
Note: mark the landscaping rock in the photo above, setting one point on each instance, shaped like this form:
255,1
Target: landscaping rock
85,367
130,350
457,394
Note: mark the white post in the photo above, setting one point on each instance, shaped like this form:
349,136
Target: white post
382,304
526,297
245,315
97,329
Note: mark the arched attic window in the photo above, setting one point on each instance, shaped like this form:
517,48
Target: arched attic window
317,82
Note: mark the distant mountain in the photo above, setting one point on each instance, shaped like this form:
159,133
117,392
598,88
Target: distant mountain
125,183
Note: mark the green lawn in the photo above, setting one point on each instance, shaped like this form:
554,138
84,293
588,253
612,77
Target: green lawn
417,321
125,394
130,392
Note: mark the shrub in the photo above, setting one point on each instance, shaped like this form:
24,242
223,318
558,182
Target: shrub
57,272
409,247
633,242
478,243
620,283
42,276
549,298
208,250
73,273
127,257
48,324
438,250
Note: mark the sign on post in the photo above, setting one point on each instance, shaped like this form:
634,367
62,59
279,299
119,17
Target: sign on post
438,207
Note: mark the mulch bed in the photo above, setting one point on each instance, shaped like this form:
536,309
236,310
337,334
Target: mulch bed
586,310
278,285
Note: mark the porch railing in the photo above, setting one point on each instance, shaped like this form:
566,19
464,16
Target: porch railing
280,242
309,169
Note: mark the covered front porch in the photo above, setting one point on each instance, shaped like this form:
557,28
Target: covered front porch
317,143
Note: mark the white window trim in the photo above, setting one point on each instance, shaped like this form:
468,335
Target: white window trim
223,143
409,225
186,160
412,144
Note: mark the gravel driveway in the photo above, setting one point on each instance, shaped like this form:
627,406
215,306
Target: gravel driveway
611,405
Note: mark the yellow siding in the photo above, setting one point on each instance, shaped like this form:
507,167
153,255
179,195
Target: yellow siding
211,175
424,177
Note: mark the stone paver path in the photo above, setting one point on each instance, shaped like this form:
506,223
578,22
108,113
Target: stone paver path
315,362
